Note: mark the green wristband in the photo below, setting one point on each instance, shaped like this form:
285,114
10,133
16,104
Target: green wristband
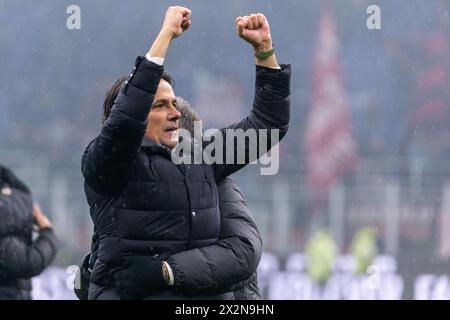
264,55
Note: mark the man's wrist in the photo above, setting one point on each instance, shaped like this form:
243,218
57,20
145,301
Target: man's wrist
166,33
161,44
265,56
262,47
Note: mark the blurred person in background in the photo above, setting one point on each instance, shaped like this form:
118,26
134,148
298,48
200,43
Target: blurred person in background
21,257
152,215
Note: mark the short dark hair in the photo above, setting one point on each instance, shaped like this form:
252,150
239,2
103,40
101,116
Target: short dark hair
114,90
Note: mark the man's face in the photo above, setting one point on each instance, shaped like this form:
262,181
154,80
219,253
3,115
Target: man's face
163,119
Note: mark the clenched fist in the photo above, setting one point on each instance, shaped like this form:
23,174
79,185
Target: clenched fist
255,30
177,20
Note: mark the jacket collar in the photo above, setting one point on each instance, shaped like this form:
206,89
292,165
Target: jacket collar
149,145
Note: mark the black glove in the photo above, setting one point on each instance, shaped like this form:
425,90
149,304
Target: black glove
139,277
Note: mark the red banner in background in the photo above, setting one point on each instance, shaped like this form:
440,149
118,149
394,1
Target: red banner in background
330,145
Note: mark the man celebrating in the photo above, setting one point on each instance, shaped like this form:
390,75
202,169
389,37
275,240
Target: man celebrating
152,214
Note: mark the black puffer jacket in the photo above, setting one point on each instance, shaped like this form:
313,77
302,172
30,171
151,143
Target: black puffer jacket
140,201
20,257
215,268
194,269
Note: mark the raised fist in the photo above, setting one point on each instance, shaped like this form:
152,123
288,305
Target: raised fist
255,30
177,20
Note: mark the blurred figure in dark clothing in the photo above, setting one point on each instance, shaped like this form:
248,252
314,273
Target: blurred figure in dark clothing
21,258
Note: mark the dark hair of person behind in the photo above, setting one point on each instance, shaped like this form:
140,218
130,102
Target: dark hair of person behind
188,115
